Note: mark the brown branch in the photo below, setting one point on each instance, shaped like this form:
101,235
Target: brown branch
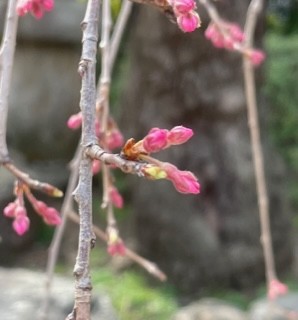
250,91
7,50
149,266
67,203
31,183
83,192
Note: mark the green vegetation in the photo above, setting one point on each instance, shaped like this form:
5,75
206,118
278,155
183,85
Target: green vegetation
282,75
133,298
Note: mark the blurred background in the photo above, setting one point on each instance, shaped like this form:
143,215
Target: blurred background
208,245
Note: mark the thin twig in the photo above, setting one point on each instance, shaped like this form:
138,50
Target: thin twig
83,192
119,29
149,266
59,231
7,50
253,122
31,183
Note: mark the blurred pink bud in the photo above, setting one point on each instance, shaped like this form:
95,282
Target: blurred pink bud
20,211
75,121
36,7
115,197
48,5
96,166
179,135
183,6
21,224
211,31
9,210
51,216
40,207
155,140
117,248
184,181
276,289
114,139
256,57
97,128
235,32
189,22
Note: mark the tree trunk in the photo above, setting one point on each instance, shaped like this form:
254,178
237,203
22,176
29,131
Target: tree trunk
179,79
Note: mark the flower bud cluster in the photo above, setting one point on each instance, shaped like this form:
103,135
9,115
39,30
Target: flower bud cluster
187,18
230,36
157,140
17,211
227,35
160,139
35,7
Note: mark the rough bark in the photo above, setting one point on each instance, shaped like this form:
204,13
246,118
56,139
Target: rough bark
213,238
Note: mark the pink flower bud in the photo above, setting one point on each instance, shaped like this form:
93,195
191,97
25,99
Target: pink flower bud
184,181
189,22
51,216
235,32
256,57
115,197
179,135
155,140
21,224
183,6
96,166
117,248
40,207
114,139
9,210
276,289
75,121
48,5
20,211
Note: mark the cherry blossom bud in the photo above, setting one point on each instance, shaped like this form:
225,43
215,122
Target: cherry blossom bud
155,140
20,211
48,5
179,135
9,210
51,216
114,139
183,6
189,22
235,32
40,207
117,248
256,57
184,181
96,166
75,121
115,197
115,244
21,224
276,289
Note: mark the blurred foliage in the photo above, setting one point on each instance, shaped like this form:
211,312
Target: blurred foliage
282,16
133,298
281,86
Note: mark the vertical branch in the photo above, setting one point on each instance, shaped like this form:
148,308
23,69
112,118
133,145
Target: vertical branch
250,91
83,192
6,63
66,207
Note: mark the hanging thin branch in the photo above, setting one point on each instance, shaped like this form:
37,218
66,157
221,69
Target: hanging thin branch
254,127
7,50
